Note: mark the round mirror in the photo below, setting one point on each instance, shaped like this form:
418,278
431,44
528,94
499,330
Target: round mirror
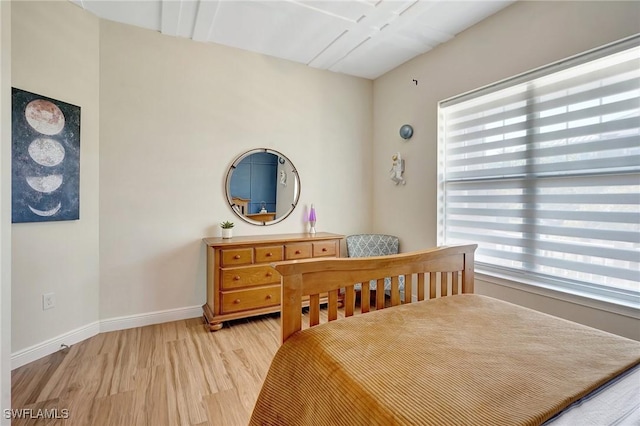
262,186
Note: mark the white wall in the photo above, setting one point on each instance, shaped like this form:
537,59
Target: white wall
55,54
523,36
174,114
5,209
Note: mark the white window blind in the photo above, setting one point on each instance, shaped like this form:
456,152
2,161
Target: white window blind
543,172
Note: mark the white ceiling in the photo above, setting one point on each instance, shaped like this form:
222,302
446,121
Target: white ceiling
364,38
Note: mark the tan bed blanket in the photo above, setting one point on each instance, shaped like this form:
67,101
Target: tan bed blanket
459,360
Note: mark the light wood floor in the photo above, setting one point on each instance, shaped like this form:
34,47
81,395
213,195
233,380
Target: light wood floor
170,374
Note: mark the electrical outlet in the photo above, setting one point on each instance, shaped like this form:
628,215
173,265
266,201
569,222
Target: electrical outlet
48,301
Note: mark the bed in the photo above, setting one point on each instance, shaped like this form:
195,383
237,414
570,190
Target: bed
449,357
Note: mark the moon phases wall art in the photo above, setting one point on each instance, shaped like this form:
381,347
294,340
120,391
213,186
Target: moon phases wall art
45,159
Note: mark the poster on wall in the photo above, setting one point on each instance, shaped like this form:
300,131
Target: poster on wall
45,159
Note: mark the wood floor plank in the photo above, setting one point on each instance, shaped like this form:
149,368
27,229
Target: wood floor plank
42,413
116,409
218,412
127,359
246,379
205,361
185,399
47,376
176,373
151,388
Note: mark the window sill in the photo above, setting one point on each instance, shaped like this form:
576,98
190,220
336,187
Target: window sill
559,293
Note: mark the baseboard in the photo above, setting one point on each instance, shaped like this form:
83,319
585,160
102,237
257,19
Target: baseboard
150,318
35,352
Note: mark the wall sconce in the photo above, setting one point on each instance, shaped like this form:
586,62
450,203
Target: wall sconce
406,131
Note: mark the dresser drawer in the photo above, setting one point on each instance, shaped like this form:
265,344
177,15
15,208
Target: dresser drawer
297,251
234,301
269,254
234,257
324,248
248,276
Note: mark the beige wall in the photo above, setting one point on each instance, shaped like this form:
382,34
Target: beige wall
174,114
526,35
168,116
171,115
55,54
5,208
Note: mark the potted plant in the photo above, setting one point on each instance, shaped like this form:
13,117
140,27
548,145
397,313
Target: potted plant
227,229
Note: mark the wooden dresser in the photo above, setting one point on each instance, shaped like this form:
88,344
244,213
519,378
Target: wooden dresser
240,281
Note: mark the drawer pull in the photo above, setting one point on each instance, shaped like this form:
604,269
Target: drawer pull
269,274
269,254
237,256
236,301
297,251
324,249
236,278
268,297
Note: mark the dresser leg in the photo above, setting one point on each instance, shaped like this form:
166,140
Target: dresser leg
214,327
209,323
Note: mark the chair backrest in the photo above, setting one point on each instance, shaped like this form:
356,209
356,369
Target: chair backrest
367,245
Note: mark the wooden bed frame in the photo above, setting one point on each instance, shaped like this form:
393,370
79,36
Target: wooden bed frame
452,360
435,272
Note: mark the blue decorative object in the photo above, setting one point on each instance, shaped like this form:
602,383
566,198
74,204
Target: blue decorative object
406,131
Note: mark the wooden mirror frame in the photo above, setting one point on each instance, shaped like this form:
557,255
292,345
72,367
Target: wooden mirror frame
239,206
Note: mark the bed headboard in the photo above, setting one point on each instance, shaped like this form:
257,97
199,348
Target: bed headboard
441,270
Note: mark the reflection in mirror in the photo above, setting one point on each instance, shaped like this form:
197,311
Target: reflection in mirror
262,186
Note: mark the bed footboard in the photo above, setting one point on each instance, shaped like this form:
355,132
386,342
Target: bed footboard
434,273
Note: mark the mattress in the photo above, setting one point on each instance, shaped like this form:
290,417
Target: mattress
464,359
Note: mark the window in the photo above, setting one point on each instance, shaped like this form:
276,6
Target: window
542,171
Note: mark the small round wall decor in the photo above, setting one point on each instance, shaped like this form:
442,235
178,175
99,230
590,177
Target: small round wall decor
406,131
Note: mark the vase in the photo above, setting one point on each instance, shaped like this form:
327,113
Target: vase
227,233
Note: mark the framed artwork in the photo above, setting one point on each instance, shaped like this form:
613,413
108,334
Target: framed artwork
45,159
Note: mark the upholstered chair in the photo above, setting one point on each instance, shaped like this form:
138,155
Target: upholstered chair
367,245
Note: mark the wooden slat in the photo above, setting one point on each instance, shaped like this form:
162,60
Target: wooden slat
444,283
365,298
314,309
408,288
468,272
395,290
432,284
421,284
380,293
333,305
291,300
454,282
349,300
